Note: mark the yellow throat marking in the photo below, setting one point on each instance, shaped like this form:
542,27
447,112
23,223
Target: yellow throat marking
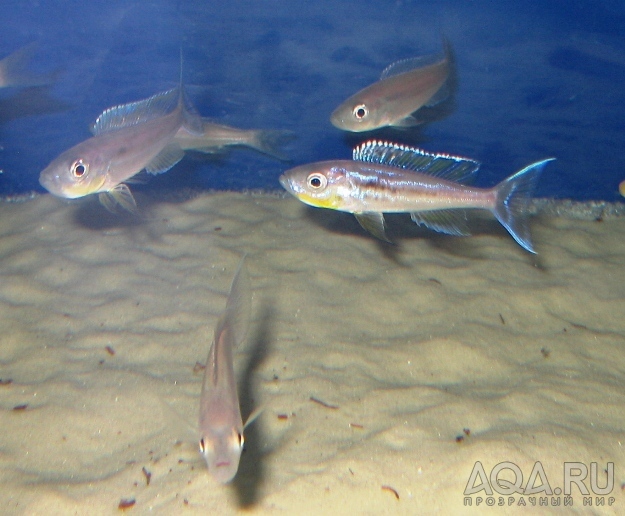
332,202
80,189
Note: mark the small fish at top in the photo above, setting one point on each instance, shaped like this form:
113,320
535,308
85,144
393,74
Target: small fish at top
216,137
127,139
389,178
404,87
14,70
221,425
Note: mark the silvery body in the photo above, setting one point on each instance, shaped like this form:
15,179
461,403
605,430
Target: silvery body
405,87
220,422
128,138
386,178
215,137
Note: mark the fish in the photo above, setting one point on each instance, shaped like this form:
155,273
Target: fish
220,423
386,177
127,139
621,188
14,70
216,137
404,87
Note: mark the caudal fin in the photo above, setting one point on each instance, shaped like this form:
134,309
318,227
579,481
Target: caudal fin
513,197
14,69
270,141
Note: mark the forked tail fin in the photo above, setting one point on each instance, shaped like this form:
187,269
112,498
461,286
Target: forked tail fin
14,69
513,197
270,141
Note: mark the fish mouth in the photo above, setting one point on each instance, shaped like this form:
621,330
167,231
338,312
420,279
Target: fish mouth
286,184
55,186
51,182
58,186
336,120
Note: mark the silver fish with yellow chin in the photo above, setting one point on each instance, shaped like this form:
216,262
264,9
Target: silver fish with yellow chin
151,135
404,87
127,139
390,178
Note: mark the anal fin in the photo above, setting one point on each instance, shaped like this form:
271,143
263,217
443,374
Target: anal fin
450,222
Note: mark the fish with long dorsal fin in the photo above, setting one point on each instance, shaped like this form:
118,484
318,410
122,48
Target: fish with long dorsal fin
390,178
404,87
127,139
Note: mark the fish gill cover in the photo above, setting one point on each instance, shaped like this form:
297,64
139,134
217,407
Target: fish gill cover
530,82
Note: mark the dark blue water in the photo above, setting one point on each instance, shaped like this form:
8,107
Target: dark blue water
533,82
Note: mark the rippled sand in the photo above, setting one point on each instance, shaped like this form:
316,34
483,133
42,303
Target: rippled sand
429,356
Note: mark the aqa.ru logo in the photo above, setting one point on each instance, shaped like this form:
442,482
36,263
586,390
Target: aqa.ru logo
506,479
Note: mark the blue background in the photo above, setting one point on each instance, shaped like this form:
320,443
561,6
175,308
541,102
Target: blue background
535,79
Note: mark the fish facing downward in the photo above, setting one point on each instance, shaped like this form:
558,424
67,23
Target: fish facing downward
127,139
221,426
404,87
216,137
389,178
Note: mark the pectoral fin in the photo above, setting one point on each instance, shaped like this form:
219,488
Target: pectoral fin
118,196
165,159
409,121
373,223
214,149
253,416
440,96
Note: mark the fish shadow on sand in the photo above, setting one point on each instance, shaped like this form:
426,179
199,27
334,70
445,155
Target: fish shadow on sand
90,214
480,224
401,229
345,224
250,475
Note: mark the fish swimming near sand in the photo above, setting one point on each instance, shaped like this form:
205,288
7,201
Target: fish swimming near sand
404,87
216,137
221,425
389,178
127,139
14,71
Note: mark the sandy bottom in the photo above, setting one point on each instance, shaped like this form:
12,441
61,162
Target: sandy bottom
423,358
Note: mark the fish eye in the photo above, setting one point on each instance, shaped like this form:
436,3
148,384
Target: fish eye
360,111
79,168
317,181
202,447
